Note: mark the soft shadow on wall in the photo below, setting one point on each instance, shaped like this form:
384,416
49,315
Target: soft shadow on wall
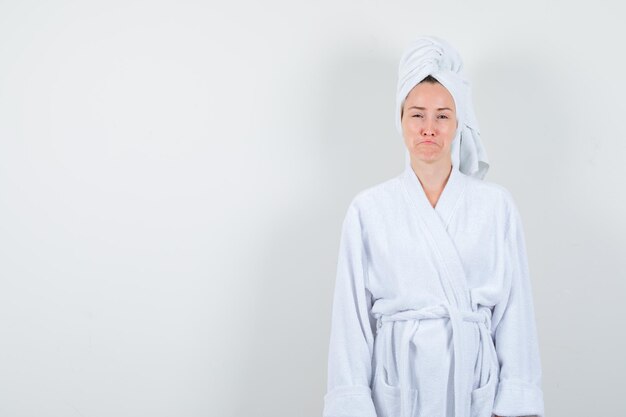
352,118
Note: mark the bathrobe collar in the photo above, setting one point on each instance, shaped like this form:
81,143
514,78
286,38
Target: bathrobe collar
458,307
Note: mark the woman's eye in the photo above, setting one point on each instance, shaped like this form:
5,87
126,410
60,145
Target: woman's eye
417,115
443,116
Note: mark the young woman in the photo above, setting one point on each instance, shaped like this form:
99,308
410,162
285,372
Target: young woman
433,313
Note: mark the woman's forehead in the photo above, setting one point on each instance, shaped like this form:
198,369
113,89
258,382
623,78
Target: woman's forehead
430,94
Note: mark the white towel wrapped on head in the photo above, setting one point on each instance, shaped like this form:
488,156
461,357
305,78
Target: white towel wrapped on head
430,55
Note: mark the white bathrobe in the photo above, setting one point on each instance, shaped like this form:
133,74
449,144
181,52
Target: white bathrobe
433,313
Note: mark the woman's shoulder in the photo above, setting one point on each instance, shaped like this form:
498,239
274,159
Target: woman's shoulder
487,192
381,195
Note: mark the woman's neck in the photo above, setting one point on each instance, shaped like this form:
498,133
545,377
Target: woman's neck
433,177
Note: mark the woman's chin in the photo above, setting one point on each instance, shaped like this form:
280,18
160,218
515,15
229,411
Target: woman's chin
426,157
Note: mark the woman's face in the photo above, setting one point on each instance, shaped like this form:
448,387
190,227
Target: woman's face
429,122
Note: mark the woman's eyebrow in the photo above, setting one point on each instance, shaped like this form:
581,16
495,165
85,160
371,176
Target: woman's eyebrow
424,108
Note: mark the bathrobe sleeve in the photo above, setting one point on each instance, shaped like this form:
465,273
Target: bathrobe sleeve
352,329
519,391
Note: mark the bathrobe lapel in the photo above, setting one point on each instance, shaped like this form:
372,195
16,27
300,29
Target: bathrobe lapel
434,222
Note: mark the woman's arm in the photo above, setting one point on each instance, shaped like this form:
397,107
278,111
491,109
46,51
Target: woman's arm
352,329
519,389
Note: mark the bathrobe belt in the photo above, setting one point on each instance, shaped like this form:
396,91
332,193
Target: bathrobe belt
489,358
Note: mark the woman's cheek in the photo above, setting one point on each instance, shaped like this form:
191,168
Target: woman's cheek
413,126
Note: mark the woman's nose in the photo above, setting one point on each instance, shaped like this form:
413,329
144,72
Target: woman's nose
428,128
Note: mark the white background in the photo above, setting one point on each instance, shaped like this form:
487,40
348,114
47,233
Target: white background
173,177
